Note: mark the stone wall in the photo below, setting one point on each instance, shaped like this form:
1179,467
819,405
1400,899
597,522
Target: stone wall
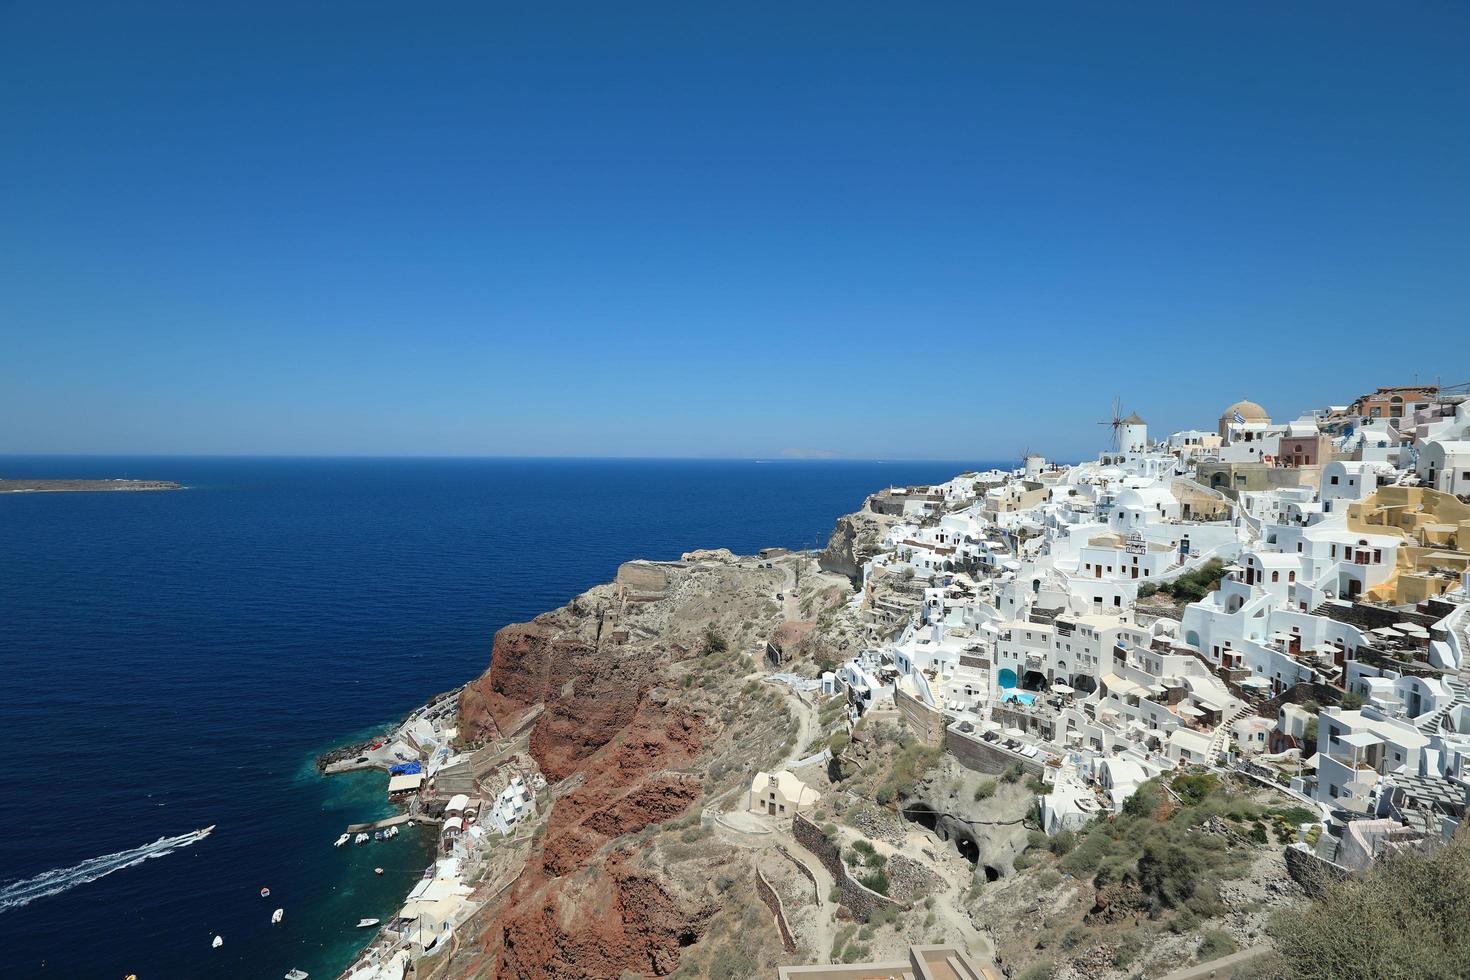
773,902
1324,694
805,871
1310,871
1372,617
860,900
980,756
927,722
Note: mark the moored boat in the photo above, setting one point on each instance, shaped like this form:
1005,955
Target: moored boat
277,916
342,840
218,942
366,923
265,893
297,974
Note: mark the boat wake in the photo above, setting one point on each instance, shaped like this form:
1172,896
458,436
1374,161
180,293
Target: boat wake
19,893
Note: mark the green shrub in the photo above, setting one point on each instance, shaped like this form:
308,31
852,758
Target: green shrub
1167,873
1194,787
730,963
1039,971
1128,949
984,790
876,880
1013,774
1062,842
1144,801
1217,943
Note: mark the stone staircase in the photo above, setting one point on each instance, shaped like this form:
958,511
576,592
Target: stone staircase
1220,740
1461,687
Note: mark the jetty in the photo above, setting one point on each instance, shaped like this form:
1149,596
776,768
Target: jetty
387,822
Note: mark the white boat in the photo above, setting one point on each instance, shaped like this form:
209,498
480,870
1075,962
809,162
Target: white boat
342,840
218,942
360,839
277,916
265,893
297,975
366,923
377,871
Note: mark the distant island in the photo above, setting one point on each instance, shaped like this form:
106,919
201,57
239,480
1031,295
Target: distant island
60,486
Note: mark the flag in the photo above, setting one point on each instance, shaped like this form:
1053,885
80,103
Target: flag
1239,419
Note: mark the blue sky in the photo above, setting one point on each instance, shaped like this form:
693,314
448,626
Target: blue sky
924,230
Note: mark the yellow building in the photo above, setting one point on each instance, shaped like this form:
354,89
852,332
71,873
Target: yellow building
1436,531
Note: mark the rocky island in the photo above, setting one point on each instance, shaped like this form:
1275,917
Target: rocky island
83,486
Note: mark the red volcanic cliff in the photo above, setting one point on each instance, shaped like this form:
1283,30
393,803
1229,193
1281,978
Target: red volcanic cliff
608,728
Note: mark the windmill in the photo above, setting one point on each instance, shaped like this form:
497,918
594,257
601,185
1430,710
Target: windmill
1116,422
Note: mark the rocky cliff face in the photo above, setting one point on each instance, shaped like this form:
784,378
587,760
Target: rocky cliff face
626,746
600,724
856,538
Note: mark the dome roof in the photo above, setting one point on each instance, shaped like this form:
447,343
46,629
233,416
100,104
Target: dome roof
1248,410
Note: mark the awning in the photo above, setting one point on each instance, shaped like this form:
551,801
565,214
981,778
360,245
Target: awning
1359,740
1190,710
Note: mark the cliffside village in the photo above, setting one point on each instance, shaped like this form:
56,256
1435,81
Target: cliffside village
1288,602
1024,618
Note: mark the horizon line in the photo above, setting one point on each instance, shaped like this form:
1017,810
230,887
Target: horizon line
490,456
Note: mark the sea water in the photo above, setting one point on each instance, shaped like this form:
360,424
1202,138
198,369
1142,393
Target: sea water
178,659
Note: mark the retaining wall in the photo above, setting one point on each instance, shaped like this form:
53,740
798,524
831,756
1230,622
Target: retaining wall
773,902
980,756
1310,871
806,872
860,900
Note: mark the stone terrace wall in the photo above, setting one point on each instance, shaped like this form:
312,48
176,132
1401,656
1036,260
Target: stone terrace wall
773,902
805,871
980,756
927,722
1300,693
1310,871
860,900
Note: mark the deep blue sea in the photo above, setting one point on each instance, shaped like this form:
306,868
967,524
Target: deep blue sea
174,660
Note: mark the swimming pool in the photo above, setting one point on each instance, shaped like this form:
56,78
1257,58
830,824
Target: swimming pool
1020,697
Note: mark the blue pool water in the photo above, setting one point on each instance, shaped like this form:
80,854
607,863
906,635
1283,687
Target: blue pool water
1020,697
178,659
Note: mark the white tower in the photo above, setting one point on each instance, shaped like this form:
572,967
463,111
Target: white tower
1034,463
1133,435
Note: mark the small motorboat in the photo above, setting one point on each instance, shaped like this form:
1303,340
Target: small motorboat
378,835
265,893
277,916
377,871
366,923
296,974
360,839
342,840
218,942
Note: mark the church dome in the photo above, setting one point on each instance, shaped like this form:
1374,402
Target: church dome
1248,410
